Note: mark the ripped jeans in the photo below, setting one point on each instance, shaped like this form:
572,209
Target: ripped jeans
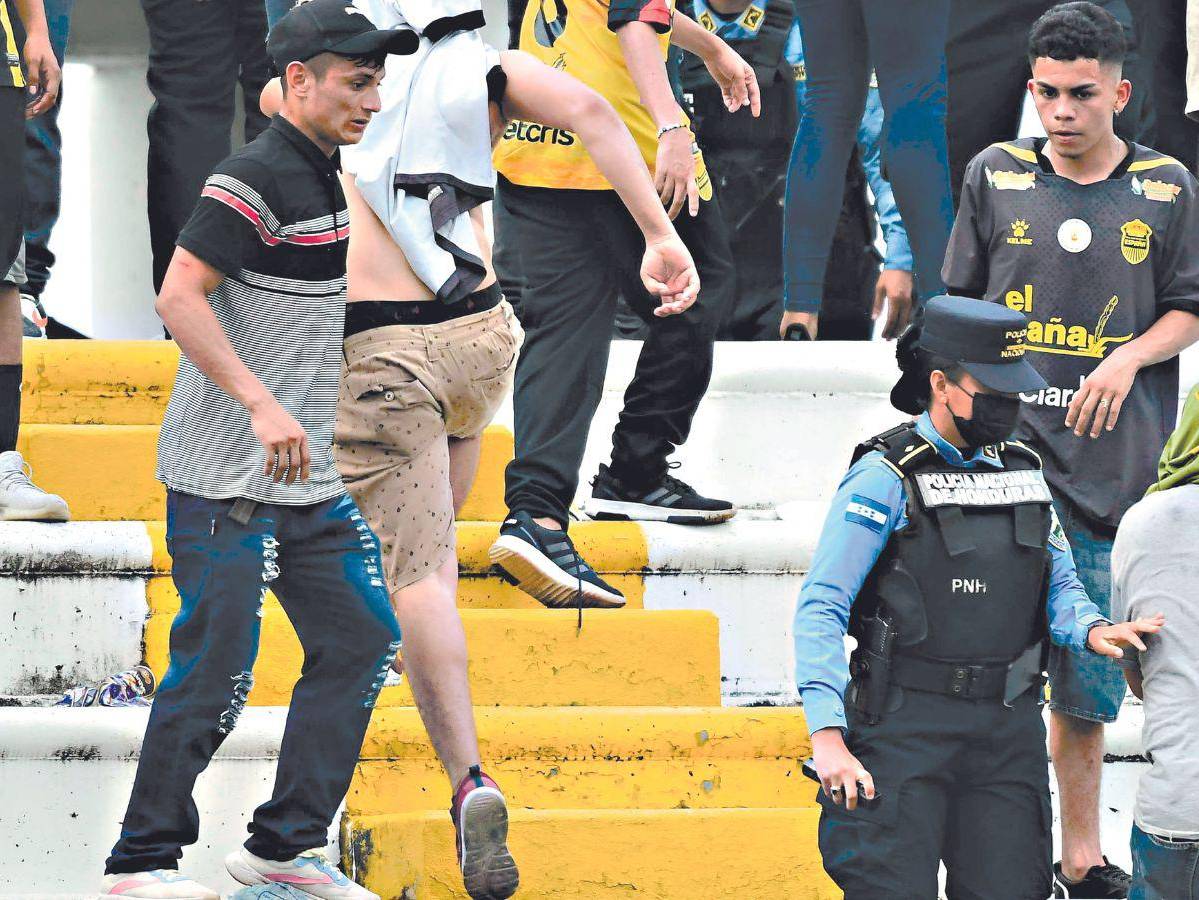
322,562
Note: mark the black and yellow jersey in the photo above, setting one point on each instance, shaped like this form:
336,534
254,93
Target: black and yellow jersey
12,37
579,37
1093,266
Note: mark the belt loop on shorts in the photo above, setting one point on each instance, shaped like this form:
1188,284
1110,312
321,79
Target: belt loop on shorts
432,344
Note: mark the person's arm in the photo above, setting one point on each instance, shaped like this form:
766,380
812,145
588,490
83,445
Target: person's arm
864,513
44,75
1136,683
540,93
220,236
1097,403
1071,612
674,166
967,262
1075,622
184,308
895,283
270,101
736,78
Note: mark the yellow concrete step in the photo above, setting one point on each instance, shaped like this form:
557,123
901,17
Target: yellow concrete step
598,758
97,382
678,854
618,550
518,657
106,471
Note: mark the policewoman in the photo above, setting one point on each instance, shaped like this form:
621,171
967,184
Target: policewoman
942,556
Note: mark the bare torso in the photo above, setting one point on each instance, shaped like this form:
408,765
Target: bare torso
377,269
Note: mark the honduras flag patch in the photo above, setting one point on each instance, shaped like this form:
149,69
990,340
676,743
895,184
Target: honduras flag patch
867,512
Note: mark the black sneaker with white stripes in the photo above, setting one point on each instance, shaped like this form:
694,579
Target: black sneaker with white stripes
1099,883
543,563
670,500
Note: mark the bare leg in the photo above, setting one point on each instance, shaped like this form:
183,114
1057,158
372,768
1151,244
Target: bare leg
435,656
10,325
1076,746
435,662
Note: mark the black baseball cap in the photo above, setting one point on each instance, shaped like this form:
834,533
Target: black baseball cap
986,339
313,27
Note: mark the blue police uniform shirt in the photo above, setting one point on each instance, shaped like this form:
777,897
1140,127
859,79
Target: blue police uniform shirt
899,251
868,508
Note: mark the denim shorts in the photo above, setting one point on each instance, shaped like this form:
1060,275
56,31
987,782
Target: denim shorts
1087,686
1163,869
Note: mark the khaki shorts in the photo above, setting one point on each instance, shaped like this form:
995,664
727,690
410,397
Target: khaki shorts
406,390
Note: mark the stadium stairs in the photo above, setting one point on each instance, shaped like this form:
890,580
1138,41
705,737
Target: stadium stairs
653,753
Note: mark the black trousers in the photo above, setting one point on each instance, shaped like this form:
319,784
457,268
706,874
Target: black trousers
962,781
1161,26
12,185
561,257
199,53
755,226
987,56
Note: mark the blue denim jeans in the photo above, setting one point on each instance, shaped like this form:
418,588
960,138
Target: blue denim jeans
905,42
276,10
43,164
322,562
1087,686
1162,869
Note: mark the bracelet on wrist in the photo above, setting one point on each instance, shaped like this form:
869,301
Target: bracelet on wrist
675,127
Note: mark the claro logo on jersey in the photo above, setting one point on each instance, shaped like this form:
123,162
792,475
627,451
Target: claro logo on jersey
1057,336
536,133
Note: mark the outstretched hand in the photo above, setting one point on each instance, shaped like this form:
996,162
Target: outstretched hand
736,78
1109,640
668,272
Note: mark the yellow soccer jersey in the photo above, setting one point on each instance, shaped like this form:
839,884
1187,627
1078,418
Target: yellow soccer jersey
12,37
579,37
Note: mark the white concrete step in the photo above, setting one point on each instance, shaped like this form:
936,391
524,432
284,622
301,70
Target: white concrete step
67,774
75,601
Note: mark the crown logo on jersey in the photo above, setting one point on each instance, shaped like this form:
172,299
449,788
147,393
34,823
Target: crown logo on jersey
1134,241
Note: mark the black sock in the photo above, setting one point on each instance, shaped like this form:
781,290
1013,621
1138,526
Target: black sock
10,406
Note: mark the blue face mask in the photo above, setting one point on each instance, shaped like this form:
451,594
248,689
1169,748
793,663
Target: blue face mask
993,419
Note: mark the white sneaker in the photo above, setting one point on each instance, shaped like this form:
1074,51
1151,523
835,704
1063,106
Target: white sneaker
160,884
311,872
21,499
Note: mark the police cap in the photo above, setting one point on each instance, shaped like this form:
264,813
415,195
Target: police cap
986,339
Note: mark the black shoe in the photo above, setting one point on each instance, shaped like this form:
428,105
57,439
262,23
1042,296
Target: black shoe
670,500
1100,883
543,563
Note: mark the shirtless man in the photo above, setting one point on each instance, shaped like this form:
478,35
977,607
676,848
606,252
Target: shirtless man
423,379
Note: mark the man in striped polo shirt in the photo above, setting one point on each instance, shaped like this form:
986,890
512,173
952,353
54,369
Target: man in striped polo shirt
255,296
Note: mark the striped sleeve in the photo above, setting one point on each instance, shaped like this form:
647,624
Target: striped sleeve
231,217
655,13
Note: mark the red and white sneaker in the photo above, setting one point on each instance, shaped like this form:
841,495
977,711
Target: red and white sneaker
481,820
311,872
159,884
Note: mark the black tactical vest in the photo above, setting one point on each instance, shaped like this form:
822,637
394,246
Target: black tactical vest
966,579
771,133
